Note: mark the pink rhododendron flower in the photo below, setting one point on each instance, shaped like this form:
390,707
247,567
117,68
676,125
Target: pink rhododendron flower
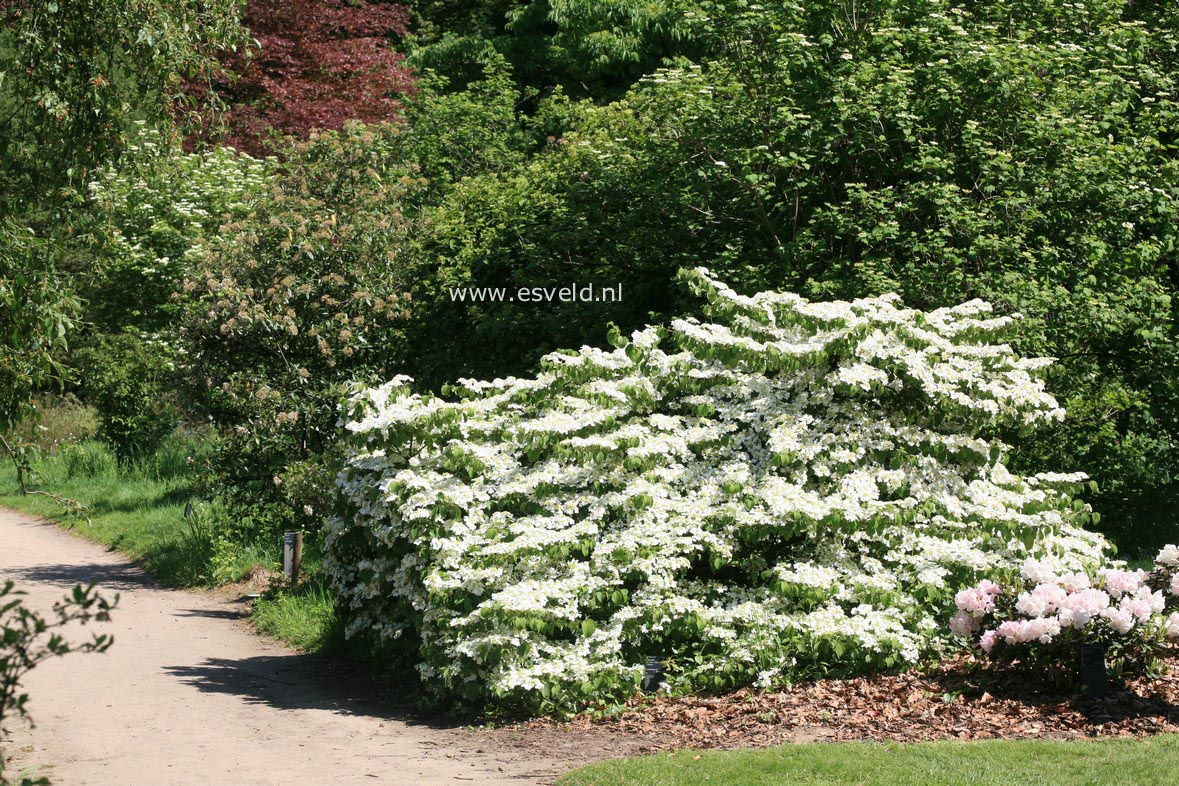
976,601
1121,582
1143,604
1052,603
1075,581
1139,607
1157,601
1045,599
1009,631
1041,629
1119,619
1081,606
1169,556
1037,571
962,624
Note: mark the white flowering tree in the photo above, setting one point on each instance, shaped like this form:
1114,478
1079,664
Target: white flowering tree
790,488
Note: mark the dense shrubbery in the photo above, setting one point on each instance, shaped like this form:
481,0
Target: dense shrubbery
939,150
35,317
129,381
34,320
56,421
792,488
292,302
151,219
76,77
593,49
1020,153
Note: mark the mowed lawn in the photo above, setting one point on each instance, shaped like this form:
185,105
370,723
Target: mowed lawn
1151,762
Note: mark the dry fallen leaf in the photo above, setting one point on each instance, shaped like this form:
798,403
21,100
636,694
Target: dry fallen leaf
904,707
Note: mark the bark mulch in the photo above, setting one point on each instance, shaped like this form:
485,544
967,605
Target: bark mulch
958,700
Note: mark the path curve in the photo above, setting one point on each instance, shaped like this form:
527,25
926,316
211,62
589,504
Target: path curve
188,694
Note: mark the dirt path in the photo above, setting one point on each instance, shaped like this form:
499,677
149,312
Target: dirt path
189,695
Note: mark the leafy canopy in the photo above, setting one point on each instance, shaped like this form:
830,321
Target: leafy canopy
74,75
35,318
1019,152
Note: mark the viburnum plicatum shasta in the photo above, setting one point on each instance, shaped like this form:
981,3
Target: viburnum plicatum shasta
783,489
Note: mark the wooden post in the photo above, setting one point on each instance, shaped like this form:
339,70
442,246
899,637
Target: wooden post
292,554
298,554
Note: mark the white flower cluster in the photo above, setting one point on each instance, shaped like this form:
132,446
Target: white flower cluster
159,198
788,486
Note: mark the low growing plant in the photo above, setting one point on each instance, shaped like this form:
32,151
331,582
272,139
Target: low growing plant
1038,616
27,639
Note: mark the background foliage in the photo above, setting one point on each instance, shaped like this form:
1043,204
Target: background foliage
77,74
1022,152
34,320
302,295
314,65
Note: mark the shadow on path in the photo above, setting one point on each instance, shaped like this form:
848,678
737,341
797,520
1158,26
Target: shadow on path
286,681
215,614
294,682
121,577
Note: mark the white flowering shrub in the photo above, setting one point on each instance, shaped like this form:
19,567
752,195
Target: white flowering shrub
788,489
155,213
1041,615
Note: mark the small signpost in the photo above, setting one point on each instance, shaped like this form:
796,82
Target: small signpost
1093,673
292,554
652,674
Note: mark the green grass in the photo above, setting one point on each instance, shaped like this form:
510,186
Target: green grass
140,517
304,617
136,508
1152,762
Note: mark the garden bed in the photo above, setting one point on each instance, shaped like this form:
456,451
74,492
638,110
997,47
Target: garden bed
958,700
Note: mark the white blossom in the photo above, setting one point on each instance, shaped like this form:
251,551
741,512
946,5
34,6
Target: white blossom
776,482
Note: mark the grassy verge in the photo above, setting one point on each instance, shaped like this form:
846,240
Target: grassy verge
1152,762
304,617
136,509
139,510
